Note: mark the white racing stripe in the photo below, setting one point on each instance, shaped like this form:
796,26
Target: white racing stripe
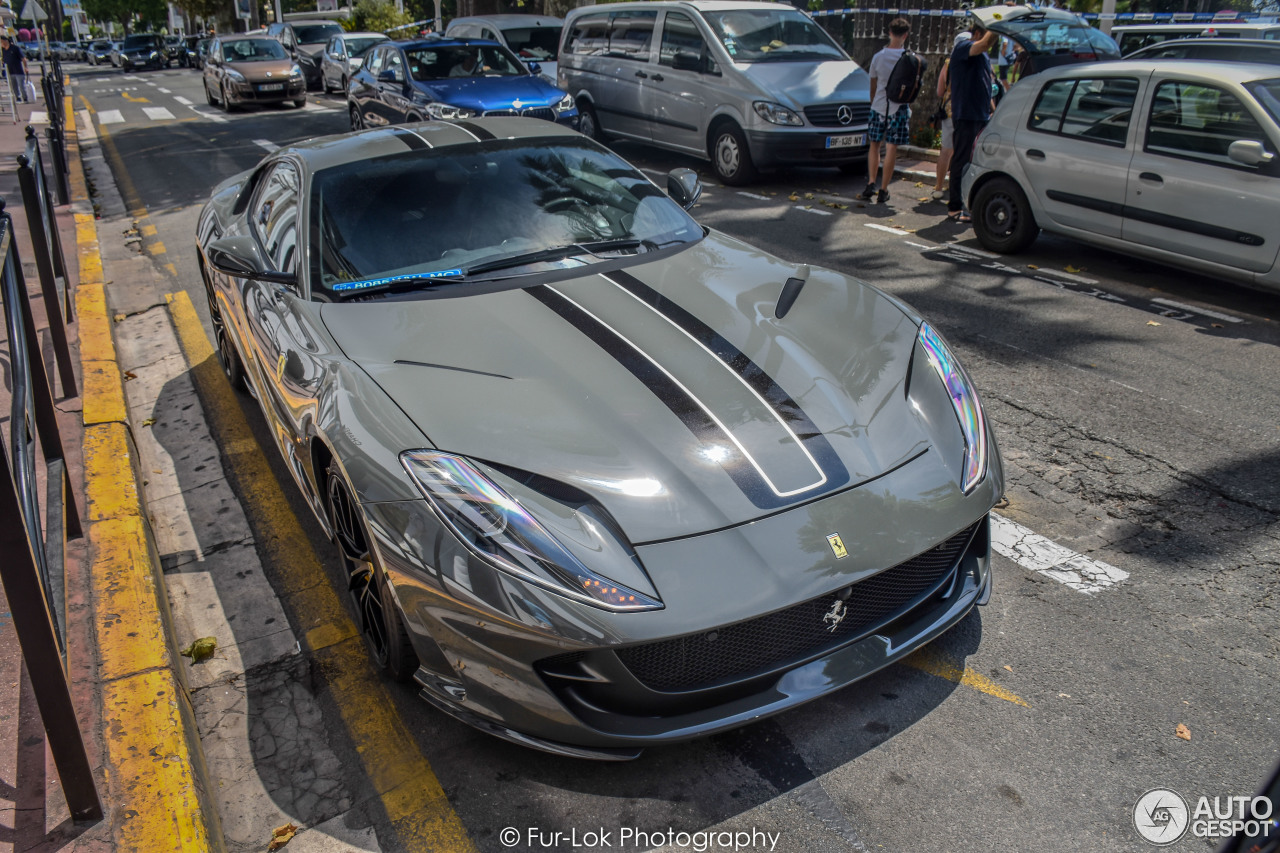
1181,306
1033,551
110,117
266,144
158,113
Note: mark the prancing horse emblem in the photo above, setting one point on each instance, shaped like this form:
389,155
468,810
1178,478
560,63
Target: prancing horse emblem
835,615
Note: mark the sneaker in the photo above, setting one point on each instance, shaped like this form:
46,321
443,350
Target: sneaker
882,196
868,193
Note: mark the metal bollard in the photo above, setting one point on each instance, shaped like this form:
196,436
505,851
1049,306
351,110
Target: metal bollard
59,165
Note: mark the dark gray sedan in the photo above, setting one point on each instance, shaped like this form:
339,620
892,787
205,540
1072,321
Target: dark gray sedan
601,477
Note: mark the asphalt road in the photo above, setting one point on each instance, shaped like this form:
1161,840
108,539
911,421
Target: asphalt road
1136,410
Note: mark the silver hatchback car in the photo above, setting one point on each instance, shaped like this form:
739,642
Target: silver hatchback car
1170,160
343,56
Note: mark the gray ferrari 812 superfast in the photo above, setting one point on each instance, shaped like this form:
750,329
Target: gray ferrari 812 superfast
602,477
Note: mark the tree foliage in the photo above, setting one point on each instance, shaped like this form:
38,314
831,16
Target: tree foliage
133,15
378,16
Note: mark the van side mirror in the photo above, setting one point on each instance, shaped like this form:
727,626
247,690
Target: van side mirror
684,187
683,60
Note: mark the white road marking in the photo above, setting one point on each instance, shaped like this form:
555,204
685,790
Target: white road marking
267,144
87,131
1070,277
110,117
312,106
150,83
166,91
157,113
132,77
102,79
1033,551
919,245
182,100
813,210
39,117
754,195
888,228
211,116
1205,311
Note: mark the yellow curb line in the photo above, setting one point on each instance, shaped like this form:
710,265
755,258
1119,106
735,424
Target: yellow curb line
155,767
411,795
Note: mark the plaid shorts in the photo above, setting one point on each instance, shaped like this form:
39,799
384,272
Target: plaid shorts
897,131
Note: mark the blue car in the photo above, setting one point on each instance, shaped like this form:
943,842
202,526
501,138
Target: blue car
451,78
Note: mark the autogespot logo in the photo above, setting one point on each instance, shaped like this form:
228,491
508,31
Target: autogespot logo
1161,816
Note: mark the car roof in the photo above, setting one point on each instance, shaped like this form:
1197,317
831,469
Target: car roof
1218,45
361,35
441,41
312,23
244,37
328,151
700,5
510,20
1201,25
1228,72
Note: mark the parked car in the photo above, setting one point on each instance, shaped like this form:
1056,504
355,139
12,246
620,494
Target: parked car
1170,160
1134,37
1048,37
748,85
343,56
116,48
1217,49
99,52
411,81
595,485
245,69
144,50
304,41
533,38
31,49
201,53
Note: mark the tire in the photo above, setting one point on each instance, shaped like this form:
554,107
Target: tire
376,611
588,124
1002,217
299,103
232,367
730,157
226,101
324,84
208,96
357,121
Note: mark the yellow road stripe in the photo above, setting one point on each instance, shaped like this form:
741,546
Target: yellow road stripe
134,99
411,795
928,660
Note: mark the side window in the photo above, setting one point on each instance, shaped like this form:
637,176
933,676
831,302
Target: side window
286,37
488,34
680,36
589,36
1199,122
631,34
395,64
1098,110
275,216
374,65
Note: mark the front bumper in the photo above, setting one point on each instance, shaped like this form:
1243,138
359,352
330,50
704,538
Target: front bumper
252,93
142,61
803,147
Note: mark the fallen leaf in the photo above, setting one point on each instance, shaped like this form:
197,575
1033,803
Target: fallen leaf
841,206
1152,323
1217,325
1064,695
926,198
149,422
1183,732
1006,666
794,197
1075,269
808,207
919,183
808,195
119,318
1032,267
129,374
282,835
201,649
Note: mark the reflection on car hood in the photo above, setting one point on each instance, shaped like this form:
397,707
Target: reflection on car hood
805,83
493,93
668,391
257,71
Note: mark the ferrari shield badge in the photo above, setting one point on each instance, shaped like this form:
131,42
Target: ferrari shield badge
837,546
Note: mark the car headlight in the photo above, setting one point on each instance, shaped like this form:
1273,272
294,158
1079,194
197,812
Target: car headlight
777,114
295,71
448,111
964,400
235,75
566,104
496,528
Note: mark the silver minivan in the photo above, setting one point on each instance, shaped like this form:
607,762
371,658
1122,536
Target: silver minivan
747,85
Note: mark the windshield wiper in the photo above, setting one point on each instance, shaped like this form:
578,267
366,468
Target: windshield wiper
560,252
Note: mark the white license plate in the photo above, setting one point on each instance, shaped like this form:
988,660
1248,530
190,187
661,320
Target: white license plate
271,87
848,140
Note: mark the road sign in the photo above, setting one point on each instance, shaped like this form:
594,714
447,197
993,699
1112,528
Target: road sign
33,11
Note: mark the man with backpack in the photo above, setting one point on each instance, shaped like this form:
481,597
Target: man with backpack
895,81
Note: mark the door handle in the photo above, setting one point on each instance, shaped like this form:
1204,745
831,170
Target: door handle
1035,153
641,74
1150,176
658,78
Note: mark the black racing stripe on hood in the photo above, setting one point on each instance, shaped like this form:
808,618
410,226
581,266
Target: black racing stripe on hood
670,394
755,376
411,139
475,130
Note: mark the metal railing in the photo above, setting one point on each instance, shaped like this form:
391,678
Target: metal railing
55,105
50,262
33,536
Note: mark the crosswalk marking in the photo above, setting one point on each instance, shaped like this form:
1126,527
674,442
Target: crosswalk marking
211,116
157,113
162,89
110,117
182,100
102,79
267,144
1033,551
132,77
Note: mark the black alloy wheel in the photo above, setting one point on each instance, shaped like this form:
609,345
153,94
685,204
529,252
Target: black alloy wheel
1002,218
357,121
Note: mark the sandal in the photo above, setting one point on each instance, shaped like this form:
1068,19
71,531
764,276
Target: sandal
960,216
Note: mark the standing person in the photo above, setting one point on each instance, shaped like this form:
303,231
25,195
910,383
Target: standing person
971,82
890,121
946,147
15,65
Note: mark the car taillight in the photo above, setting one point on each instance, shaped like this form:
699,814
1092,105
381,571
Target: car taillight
1084,56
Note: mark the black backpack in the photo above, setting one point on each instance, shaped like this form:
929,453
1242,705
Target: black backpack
906,78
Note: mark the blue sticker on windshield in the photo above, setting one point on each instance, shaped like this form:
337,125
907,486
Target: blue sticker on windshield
375,282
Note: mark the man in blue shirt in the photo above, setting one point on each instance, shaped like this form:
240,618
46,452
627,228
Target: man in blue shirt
971,82
15,65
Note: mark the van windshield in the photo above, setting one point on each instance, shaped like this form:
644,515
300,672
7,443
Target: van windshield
772,35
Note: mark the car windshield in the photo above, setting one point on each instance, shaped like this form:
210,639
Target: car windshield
318,34
1268,94
442,211
540,43
360,46
139,41
1053,38
252,50
771,35
437,63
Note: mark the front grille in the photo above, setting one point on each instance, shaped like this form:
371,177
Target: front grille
827,115
760,645
545,113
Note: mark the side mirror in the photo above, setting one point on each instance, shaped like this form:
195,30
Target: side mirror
683,60
684,187
241,257
535,68
386,75
1249,152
